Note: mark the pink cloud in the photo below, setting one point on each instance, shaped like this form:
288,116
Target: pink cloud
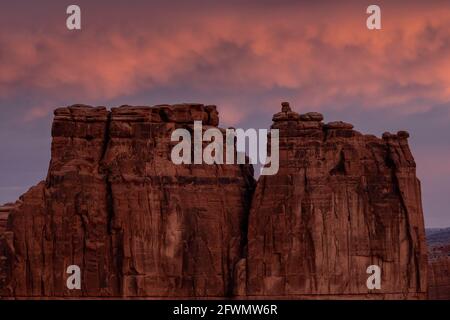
323,55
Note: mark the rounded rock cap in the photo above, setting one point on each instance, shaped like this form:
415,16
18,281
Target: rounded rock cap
286,114
339,125
403,134
311,116
285,107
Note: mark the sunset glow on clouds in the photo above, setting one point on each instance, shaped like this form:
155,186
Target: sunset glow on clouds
326,55
246,57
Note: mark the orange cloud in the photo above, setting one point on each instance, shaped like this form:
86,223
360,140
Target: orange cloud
323,55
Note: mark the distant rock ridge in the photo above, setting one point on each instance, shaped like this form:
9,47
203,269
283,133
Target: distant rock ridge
114,204
439,263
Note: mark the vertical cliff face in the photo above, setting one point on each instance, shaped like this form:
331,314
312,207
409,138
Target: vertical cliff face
178,229
115,205
63,221
341,201
138,225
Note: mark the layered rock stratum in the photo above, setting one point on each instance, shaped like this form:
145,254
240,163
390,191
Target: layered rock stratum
138,225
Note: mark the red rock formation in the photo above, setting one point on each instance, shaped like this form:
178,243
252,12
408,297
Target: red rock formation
180,228
5,242
340,202
114,204
438,240
439,279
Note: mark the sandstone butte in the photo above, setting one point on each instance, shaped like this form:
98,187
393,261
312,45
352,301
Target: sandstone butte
114,204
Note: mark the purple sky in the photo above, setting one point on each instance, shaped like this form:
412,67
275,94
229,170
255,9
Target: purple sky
245,57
